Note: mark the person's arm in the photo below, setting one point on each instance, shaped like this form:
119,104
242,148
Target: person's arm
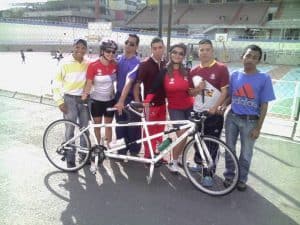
198,89
254,134
57,89
90,76
136,91
120,104
142,73
224,83
87,89
130,79
216,108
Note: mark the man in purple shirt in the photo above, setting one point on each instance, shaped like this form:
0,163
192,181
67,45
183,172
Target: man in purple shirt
128,64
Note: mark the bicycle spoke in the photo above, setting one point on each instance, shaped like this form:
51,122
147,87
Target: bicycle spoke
76,151
210,179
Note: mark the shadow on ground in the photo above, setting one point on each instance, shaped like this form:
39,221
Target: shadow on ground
122,196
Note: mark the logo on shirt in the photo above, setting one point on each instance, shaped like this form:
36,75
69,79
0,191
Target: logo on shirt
172,81
209,92
212,76
245,91
99,72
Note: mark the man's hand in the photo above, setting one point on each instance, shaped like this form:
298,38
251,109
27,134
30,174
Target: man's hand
254,134
84,96
119,106
193,91
63,108
197,90
146,109
213,110
221,110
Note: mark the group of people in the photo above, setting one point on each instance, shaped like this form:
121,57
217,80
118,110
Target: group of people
169,87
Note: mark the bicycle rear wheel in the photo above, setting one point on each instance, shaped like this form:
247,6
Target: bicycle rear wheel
210,180
64,154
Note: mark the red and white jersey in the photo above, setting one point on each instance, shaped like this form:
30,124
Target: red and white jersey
103,77
216,77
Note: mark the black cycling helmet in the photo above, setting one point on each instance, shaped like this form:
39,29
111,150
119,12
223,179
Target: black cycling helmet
108,45
179,45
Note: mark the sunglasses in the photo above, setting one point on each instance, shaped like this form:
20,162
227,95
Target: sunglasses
110,51
177,53
131,44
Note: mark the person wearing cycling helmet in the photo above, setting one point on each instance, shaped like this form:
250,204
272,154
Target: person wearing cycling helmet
174,81
101,75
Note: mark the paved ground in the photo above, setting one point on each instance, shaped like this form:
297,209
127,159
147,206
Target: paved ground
34,192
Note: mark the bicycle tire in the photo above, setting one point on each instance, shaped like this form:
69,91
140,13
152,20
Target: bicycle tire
196,174
53,139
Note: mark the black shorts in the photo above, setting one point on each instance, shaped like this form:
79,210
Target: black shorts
98,108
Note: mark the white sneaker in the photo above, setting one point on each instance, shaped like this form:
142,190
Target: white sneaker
173,167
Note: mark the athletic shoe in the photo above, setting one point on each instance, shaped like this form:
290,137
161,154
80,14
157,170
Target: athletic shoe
207,181
227,182
173,167
241,186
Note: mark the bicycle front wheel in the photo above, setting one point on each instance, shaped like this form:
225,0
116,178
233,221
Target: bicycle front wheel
65,146
210,179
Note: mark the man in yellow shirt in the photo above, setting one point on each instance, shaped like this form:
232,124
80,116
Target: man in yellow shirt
67,89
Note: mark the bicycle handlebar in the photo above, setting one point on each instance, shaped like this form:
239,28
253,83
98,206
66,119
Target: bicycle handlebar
197,117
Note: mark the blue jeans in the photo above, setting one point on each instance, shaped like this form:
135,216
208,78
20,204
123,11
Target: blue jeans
76,111
130,133
235,126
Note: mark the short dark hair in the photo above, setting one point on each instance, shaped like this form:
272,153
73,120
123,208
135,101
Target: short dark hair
136,37
253,48
80,40
156,40
205,41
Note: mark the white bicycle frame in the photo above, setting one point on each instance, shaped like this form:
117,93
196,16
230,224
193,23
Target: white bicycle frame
112,152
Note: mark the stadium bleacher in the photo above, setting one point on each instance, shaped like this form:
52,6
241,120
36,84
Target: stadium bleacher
209,14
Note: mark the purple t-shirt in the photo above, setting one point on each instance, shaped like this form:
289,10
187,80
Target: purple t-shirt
248,92
126,68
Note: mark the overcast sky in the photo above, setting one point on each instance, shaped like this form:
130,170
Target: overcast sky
5,4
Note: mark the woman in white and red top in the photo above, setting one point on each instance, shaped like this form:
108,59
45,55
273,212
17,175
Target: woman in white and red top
101,76
174,80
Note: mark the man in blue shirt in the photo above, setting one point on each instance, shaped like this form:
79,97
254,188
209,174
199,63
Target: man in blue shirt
128,64
250,91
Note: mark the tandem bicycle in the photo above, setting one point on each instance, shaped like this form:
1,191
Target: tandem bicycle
56,145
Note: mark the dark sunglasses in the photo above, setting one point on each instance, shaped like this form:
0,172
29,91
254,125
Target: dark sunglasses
110,51
177,53
131,44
